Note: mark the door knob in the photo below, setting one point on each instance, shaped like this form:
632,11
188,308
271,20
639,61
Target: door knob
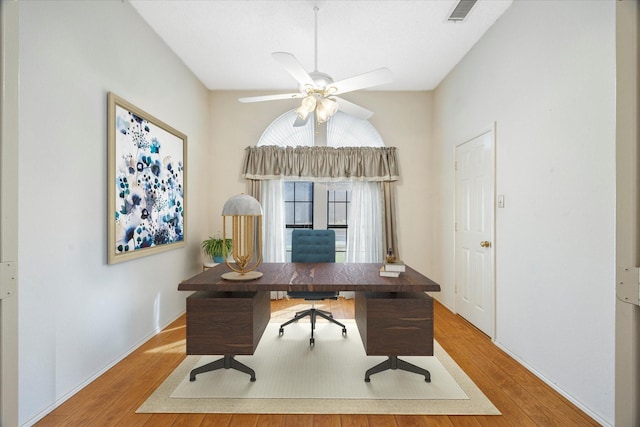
485,244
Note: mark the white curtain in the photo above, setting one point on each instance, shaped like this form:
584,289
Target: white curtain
364,238
273,223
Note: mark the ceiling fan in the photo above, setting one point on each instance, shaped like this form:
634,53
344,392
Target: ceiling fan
319,92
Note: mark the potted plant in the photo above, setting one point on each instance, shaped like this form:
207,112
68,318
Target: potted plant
214,247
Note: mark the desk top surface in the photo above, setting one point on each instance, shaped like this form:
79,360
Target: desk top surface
318,277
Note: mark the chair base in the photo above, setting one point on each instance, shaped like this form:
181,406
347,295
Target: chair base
313,313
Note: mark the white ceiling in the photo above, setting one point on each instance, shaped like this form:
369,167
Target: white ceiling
228,44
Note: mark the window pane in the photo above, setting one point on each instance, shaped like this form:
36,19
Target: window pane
340,195
304,191
287,239
288,191
341,239
304,214
340,214
288,213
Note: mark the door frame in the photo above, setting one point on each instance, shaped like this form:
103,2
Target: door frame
491,128
9,75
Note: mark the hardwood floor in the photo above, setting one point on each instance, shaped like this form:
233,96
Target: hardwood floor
523,399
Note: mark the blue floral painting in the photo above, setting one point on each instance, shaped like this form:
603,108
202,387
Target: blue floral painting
149,196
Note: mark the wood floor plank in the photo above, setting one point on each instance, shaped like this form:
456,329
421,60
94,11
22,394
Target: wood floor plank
188,420
464,421
434,421
354,420
271,420
382,421
523,399
326,420
216,420
411,421
298,420
132,419
160,420
243,420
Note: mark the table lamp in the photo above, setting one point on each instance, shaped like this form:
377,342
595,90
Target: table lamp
246,220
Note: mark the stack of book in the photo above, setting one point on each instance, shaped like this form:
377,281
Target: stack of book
392,269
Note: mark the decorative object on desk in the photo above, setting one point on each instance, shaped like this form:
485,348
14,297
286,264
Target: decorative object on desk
246,220
386,273
397,266
216,247
285,368
147,183
390,257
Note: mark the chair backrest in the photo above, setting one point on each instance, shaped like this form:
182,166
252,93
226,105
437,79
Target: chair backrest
313,246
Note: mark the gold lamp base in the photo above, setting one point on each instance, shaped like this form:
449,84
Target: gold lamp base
241,277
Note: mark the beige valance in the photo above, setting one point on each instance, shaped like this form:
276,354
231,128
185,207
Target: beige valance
326,163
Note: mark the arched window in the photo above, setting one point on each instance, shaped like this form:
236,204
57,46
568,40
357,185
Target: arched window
352,208
343,130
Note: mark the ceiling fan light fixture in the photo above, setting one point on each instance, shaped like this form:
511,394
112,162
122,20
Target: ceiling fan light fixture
330,104
322,115
306,107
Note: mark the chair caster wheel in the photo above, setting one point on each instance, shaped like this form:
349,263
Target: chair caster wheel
281,332
367,380
312,342
344,331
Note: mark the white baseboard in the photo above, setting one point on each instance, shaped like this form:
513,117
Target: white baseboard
550,383
40,415
554,386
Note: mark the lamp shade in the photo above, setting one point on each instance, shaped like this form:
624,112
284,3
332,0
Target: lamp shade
242,204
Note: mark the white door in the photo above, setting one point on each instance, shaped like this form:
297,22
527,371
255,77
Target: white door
474,248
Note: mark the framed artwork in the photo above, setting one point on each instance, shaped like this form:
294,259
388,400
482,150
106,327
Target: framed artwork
147,185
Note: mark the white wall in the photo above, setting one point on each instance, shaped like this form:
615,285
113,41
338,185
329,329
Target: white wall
545,73
403,120
79,315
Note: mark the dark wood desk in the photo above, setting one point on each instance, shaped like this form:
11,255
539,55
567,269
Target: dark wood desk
394,315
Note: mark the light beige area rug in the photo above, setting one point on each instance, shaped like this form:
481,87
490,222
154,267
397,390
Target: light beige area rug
293,377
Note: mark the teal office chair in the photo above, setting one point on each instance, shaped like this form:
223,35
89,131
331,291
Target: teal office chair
313,246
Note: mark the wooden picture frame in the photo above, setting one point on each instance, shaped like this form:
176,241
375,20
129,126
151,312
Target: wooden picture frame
147,183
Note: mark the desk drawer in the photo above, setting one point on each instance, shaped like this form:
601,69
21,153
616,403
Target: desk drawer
226,322
395,324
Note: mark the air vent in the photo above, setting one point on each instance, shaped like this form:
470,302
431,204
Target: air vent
461,10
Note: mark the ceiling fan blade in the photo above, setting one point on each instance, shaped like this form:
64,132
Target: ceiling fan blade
271,97
362,81
353,109
293,67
